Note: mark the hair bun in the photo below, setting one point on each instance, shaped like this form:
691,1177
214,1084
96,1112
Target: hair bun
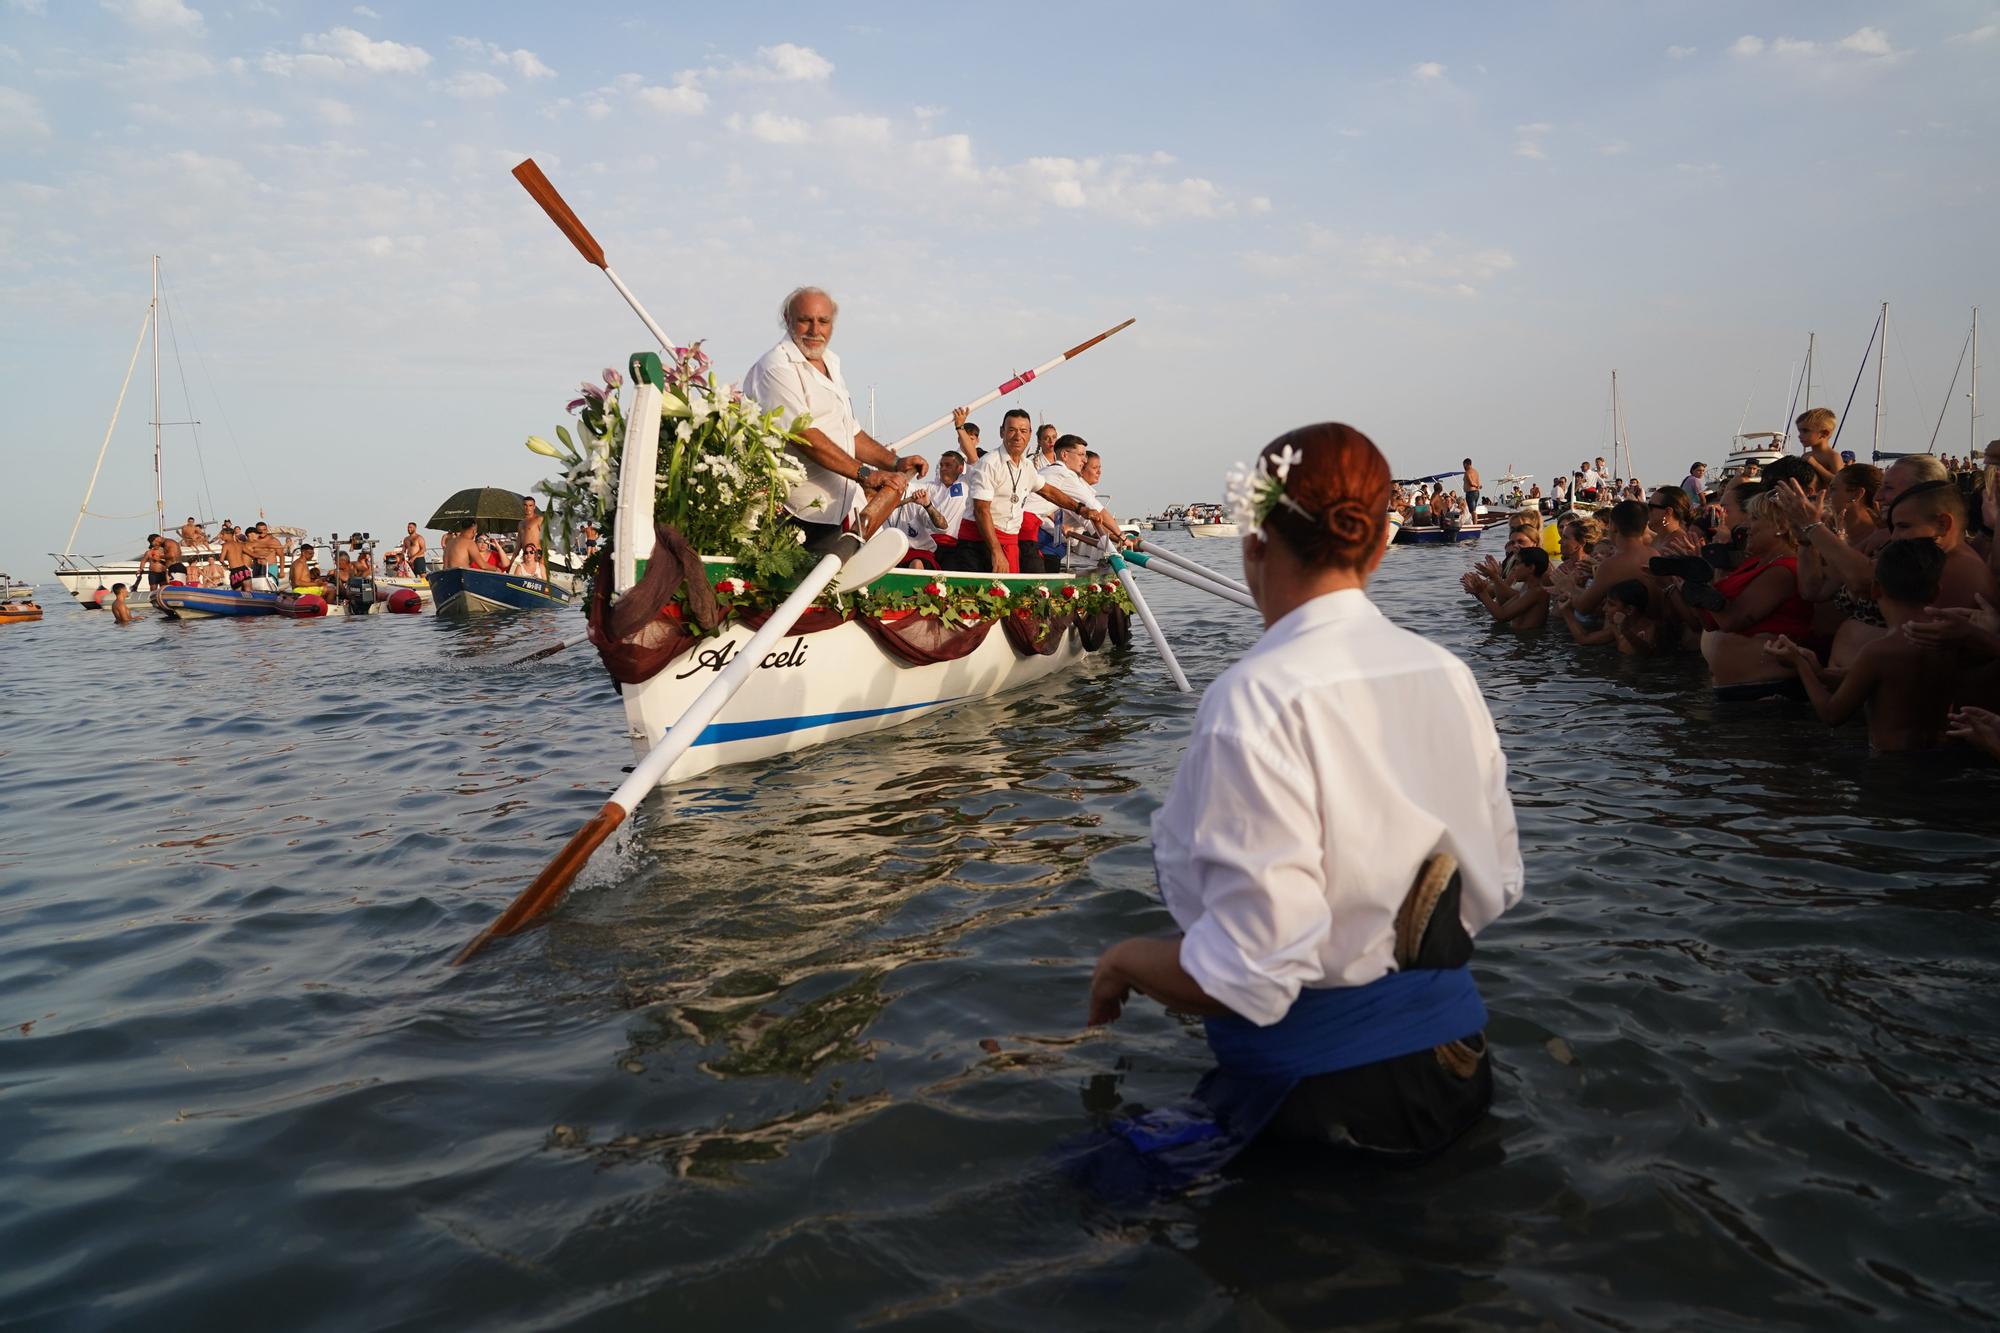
1349,522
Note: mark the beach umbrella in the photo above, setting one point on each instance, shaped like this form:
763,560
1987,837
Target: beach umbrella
493,509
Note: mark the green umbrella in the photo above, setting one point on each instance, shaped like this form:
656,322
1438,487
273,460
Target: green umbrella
493,509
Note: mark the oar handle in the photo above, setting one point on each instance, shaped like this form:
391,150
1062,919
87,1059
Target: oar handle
545,194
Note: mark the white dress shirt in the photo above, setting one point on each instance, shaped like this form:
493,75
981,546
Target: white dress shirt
1004,484
1325,766
784,377
915,520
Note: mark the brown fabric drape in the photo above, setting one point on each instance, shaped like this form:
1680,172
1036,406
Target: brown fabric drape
1119,623
633,638
1036,634
922,640
1092,629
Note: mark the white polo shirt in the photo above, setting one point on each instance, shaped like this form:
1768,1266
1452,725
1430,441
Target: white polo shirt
1003,483
1325,766
784,377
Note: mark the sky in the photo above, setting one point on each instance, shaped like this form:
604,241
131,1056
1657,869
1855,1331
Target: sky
1443,224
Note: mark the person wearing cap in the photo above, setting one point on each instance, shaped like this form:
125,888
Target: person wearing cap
1339,831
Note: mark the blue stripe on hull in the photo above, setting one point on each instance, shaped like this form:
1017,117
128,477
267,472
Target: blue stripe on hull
721,733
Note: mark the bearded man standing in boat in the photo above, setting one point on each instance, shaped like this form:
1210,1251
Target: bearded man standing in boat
852,482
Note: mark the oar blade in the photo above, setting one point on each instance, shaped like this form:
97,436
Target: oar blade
1089,343
552,203
554,881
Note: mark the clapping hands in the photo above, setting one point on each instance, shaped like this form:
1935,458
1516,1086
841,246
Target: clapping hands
1796,654
1977,727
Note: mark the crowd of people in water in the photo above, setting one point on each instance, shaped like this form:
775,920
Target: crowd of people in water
1857,589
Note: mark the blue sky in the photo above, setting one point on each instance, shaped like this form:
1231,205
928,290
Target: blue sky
1443,224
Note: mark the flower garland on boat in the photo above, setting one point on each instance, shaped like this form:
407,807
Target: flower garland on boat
723,475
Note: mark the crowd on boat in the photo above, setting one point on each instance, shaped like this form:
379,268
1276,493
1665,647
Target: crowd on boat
1857,589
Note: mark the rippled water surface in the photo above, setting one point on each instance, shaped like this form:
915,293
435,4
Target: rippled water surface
796,1053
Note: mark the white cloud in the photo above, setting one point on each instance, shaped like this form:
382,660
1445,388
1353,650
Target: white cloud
1986,32
1867,42
1530,148
1680,52
858,129
770,127
1353,134
21,115
1614,148
926,114
157,14
355,51
681,100
794,63
38,8
363,11
1528,142
524,63
333,111
1429,70
1537,127
1439,265
1862,46
475,84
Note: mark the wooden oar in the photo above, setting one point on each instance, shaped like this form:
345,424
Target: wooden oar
1124,573
1175,558
1145,561
866,565
540,653
1013,384
586,245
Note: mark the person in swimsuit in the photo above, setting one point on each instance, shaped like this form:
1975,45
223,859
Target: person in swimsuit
413,551
1752,603
1906,686
1522,610
120,611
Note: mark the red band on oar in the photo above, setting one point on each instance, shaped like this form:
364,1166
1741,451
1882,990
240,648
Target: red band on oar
1013,384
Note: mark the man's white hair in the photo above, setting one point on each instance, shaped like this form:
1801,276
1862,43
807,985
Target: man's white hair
785,310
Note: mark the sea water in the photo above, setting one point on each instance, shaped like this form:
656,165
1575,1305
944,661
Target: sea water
796,1053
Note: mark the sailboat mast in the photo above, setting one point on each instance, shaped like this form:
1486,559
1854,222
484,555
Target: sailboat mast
159,482
1972,425
1810,337
1881,356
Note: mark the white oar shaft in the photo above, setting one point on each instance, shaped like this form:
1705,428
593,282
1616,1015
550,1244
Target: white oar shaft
1152,625
683,733
1173,558
979,402
1015,383
667,344
1194,580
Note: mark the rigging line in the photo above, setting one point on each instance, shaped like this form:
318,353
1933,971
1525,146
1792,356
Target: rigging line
1909,373
1948,392
1841,425
187,401
1792,412
220,410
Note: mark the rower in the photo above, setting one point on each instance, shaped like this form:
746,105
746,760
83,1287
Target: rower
989,537
851,482
931,511
1326,864
1064,473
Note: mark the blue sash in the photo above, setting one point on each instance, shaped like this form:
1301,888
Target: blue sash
1327,1030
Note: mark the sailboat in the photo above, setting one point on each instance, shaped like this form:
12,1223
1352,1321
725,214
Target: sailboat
89,578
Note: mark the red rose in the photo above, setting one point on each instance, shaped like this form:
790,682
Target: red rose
933,590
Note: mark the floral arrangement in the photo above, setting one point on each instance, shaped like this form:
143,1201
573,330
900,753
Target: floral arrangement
723,475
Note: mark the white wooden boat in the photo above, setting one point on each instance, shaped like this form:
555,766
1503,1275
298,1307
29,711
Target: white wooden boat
824,684
1213,530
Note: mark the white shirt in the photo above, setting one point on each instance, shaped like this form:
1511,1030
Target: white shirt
1036,505
783,377
1004,484
1590,479
915,520
1061,477
1325,766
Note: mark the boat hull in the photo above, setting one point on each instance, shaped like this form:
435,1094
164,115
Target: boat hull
1431,535
832,685
480,591
1212,530
181,601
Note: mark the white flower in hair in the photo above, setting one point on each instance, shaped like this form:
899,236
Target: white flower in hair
1282,462
1252,491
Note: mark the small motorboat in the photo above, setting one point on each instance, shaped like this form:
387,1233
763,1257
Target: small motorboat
19,612
1213,530
475,591
182,601
1435,534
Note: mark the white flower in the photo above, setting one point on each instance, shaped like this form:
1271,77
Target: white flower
1280,463
799,535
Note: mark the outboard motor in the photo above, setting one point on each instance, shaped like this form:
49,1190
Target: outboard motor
360,594
1449,527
